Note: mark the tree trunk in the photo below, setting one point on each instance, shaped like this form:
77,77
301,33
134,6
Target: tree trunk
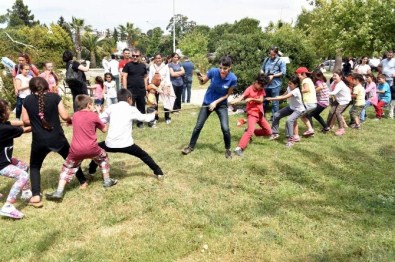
93,60
338,60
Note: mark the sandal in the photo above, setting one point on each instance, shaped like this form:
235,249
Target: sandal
36,204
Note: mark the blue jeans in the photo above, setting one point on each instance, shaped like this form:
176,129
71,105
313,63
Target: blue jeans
186,91
362,116
18,107
272,92
222,112
116,79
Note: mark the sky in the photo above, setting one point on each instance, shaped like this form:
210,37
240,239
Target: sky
148,14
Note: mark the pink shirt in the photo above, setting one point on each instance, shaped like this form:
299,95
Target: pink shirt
50,79
98,91
84,141
371,92
254,108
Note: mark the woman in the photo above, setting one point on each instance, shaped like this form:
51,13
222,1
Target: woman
51,77
77,86
165,90
363,68
176,76
41,110
216,99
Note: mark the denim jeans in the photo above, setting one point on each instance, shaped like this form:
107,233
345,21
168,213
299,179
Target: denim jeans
222,112
186,92
272,92
362,116
18,107
116,79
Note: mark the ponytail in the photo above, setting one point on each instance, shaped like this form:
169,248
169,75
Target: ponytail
40,86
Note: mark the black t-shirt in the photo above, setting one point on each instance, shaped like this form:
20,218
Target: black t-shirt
7,135
53,139
135,81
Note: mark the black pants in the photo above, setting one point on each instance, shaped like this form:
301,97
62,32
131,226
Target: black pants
133,150
139,103
37,157
316,114
77,88
178,92
167,111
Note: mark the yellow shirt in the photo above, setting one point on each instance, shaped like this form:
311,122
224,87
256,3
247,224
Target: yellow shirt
360,92
310,96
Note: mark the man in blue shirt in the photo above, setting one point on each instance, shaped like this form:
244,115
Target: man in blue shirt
188,67
216,99
275,68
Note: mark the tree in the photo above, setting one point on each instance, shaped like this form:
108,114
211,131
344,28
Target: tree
19,15
62,23
78,26
130,33
115,35
216,34
182,25
91,42
154,40
194,43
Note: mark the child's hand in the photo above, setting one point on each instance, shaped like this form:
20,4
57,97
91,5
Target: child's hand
98,108
248,99
268,98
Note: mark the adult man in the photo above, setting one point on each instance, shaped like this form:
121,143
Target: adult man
275,68
104,63
126,59
135,79
114,65
387,66
188,68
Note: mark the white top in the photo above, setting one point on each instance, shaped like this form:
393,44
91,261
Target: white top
113,67
24,84
120,116
295,101
363,69
111,89
341,92
163,71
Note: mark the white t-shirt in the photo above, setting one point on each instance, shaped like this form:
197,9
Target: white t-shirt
111,89
163,71
113,66
24,84
363,69
295,101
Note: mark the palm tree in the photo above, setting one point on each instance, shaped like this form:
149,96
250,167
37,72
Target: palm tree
92,43
130,33
78,26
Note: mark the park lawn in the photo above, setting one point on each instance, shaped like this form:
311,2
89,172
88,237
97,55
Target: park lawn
326,199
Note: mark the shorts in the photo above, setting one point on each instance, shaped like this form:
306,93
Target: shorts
355,111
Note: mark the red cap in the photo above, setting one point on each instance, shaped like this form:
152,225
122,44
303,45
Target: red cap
302,70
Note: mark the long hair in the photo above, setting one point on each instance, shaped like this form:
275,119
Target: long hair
3,110
40,86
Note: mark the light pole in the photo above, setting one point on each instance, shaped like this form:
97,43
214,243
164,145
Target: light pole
174,26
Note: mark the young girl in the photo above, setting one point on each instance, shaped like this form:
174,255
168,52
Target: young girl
384,98
99,91
12,167
51,77
342,96
22,87
254,95
294,110
358,93
322,92
41,110
110,89
371,94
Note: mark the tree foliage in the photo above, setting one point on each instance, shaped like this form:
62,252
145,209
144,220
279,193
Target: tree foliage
19,15
182,25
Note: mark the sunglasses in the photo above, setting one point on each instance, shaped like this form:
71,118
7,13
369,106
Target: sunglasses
135,55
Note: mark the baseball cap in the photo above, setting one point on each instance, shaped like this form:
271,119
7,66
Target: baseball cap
302,70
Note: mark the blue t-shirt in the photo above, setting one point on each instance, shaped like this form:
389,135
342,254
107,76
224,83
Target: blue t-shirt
176,81
386,97
218,87
274,66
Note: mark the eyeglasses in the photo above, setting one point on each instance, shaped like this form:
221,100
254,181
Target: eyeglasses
135,55
224,68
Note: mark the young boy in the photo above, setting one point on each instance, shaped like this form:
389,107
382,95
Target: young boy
383,89
253,95
83,146
120,117
358,94
392,104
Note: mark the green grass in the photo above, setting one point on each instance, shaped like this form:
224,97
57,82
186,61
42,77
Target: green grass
326,199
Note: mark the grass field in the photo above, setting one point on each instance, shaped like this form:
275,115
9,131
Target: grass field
326,199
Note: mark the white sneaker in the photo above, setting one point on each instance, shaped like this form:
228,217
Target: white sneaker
168,121
9,210
26,195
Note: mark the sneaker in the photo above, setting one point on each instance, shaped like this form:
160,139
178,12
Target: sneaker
140,125
274,137
326,129
55,196
160,177
110,182
340,132
296,139
9,210
238,151
228,153
290,143
355,126
309,133
187,150
168,121
26,195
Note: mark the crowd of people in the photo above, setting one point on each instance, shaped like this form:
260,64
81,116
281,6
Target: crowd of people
129,92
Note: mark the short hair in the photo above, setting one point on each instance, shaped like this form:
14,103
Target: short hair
112,56
186,57
82,101
357,76
225,61
123,95
67,56
21,66
382,76
125,49
274,49
262,79
136,50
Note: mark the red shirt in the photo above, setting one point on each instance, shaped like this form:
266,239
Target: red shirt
123,62
84,141
254,108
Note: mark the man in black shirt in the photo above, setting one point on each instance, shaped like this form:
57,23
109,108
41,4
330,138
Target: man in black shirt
136,80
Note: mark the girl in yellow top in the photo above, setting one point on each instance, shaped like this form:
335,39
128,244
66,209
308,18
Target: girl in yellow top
358,94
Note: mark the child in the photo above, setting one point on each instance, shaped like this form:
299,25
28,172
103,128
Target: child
253,95
120,117
99,91
51,77
383,89
83,146
22,87
294,110
110,89
151,103
12,167
342,96
322,92
358,94
371,94
392,104
41,110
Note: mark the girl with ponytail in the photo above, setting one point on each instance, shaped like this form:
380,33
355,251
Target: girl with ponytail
41,110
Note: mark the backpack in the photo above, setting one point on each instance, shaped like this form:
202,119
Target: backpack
72,75
156,79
